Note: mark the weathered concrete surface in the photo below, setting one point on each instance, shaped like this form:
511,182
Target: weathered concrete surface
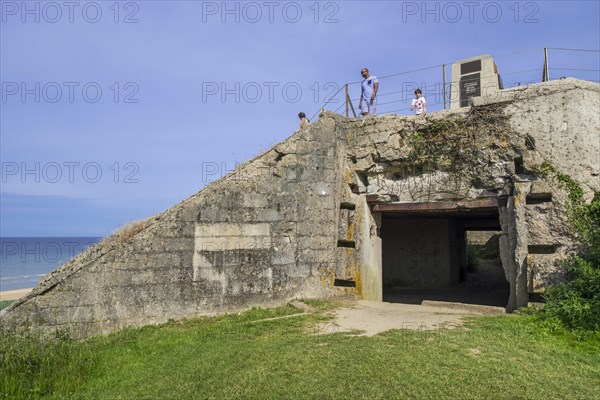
292,220
486,242
512,134
562,124
261,235
424,253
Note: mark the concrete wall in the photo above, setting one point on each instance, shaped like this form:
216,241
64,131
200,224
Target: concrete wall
262,235
556,122
420,253
295,218
486,241
372,256
562,122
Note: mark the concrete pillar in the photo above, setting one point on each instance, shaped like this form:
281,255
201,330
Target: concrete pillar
513,246
463,255
370,271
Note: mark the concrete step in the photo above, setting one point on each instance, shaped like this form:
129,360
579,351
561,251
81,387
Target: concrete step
474,308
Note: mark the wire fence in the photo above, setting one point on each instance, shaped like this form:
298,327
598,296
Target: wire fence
396,90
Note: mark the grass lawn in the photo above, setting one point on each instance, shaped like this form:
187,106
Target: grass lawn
245,356
5,303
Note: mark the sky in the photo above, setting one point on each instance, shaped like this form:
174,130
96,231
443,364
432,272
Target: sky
115,111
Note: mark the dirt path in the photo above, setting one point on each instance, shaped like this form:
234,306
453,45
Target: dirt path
375,317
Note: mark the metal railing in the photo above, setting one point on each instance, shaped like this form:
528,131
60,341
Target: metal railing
441,89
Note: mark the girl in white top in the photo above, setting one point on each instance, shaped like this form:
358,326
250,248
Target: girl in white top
303,120
419,103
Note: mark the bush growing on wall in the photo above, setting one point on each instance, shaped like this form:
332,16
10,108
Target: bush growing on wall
576,303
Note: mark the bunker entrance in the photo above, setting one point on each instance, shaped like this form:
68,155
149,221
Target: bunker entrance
442,253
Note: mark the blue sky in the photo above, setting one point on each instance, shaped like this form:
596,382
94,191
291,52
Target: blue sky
84,163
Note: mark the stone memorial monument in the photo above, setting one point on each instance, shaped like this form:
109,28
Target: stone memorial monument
473,77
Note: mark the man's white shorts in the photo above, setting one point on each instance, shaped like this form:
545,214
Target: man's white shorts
368,106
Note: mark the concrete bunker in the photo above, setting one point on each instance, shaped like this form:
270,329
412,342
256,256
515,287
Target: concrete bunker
424,252
307,218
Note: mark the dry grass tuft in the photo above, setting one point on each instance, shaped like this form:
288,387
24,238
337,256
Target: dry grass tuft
125,233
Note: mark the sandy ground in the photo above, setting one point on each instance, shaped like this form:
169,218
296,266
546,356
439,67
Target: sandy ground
372,317
14,294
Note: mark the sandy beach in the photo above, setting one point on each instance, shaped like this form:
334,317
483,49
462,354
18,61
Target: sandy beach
14,294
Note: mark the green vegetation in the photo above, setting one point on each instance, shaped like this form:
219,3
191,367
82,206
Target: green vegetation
473,258
250,356
454,142
32,366
575,191
438,141
576,303
5,303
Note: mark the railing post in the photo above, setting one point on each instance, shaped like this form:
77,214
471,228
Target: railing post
347,113
444,82
545,74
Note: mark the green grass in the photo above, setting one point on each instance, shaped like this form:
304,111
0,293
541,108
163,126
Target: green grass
5,303
245,356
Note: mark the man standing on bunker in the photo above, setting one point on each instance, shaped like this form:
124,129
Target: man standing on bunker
368,95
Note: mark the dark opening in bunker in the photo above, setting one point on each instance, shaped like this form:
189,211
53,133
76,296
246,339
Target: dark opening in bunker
442,252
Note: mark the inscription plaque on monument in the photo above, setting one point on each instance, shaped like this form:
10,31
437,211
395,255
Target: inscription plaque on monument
470,67
473,77
470,86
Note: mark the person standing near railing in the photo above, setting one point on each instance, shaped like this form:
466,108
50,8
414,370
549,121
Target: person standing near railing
368,95
418,103
303,120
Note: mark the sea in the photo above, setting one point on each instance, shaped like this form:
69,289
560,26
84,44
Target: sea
25,260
